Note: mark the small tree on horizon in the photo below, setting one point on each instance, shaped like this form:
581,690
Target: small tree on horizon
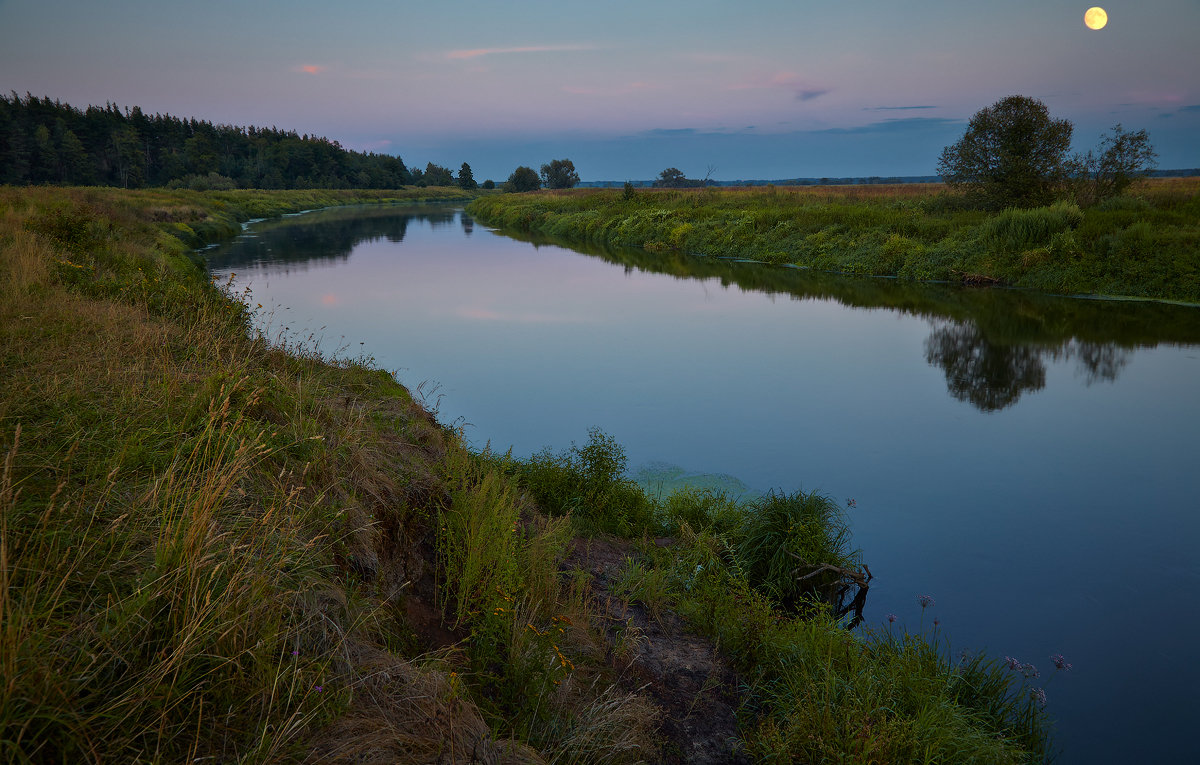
466,180
559,174
523,179
1121,158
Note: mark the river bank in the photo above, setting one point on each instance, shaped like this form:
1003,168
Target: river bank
218,547
1145,244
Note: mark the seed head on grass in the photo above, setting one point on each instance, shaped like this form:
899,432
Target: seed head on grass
1060,662
926,600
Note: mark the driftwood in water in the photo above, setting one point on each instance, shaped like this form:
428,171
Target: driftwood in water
835,592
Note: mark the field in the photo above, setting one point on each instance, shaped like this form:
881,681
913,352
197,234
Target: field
1144,244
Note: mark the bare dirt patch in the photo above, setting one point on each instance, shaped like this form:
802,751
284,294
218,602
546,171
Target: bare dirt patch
682,672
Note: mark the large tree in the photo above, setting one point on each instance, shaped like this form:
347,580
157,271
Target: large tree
436,175
1013,154
559,174
466,179
523,179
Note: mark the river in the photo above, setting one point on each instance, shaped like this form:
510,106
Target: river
1031,462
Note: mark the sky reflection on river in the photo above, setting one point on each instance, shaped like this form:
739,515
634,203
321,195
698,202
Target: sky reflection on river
1031,462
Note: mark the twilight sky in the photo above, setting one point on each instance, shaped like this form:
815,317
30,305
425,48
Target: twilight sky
754,89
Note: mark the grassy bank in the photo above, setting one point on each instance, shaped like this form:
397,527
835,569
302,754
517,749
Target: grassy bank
1144,244
213,548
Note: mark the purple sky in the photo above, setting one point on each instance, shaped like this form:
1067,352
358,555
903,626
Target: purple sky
770,89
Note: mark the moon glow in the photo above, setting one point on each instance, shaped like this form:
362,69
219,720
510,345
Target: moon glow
1095,18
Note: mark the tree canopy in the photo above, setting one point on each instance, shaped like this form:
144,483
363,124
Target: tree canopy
559,174
523,179
44,141
673,178
1121,158
1012,154
466,179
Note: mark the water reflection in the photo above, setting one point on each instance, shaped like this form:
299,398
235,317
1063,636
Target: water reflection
324,237
993,375
992,344
828,385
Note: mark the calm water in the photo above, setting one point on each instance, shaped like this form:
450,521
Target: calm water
1030,462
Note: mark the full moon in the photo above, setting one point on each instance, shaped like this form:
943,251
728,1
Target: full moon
1095,18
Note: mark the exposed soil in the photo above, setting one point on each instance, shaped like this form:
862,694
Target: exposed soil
681,672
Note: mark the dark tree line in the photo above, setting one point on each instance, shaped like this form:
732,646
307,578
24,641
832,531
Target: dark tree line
44,141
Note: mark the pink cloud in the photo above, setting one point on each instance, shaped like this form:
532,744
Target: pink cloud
311,68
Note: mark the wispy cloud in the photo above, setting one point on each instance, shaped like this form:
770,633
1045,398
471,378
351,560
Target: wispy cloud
799,85
898,125
1192,108
895,108
310,68
470,53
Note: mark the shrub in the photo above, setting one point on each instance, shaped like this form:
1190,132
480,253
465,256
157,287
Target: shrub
784,536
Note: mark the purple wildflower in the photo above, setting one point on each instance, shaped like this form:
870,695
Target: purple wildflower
1030,671
1012,663
936,622
891,618
1060,662
318,688
295,653
926,600
851,503
1038,695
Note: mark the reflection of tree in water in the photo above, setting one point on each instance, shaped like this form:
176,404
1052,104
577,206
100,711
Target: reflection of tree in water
325,237
993,376
468,223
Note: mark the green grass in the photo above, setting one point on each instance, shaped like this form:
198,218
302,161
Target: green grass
1144,244
212,547
817,692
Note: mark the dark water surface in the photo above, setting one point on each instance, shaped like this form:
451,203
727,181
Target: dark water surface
1030,462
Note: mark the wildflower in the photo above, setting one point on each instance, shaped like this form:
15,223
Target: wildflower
1060,662
891,618
1038,695
1030,671
926,600
936,622
318,688
296,653
851,503
1012,663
